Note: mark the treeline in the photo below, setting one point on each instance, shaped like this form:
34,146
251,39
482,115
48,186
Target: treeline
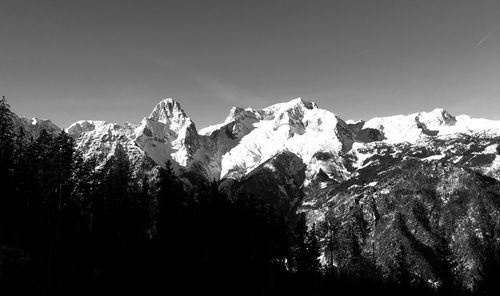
68,226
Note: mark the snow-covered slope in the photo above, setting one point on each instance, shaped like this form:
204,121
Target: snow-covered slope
411,128
249,137
99,139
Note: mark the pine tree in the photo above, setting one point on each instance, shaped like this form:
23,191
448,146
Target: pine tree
6,137
20,163
307,252
20,180
401,271
170,197
117,183
330,228
63,151
313,250
446,265
7,199
142,209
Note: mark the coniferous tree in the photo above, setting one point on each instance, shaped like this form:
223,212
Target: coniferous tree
116,189
170,197
142,208
63,150
444,263
401,271
6,152
20,158
313,250
307,251
330,228
6,137
20,180
350,249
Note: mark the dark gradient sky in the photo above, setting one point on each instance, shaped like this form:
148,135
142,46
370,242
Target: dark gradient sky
114,60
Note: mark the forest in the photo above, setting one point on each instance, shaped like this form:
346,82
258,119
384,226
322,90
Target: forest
69,226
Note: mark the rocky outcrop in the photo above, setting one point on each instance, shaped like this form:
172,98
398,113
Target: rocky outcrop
277,181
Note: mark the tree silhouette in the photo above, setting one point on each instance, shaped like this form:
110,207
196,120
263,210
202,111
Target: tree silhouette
6,137
7,199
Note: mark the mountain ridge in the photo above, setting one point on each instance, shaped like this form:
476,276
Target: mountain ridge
248,137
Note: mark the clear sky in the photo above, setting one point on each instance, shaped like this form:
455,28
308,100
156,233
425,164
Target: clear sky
114,60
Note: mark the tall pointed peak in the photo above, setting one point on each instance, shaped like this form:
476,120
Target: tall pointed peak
166,109
168,103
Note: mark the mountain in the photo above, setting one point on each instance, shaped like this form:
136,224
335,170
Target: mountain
249,137
333,150
99,139
232,149
429,181
166,134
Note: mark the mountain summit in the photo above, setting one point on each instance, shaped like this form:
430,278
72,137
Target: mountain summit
167,133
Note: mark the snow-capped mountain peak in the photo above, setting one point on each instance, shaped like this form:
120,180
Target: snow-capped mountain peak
411,128
298,126
297,105
169,111
168,133
436,119
84,126
438,122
